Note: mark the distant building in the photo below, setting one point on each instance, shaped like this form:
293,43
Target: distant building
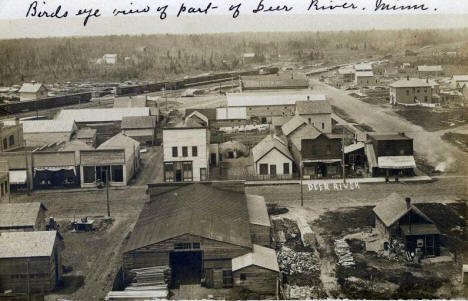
272,158
346,74
365,79
317,113
273,82
363,67
30,262
110,59
142,129
396,217
22,217
11,135
430,71
32,91
87,136
414,91
248,58
229,117
186,153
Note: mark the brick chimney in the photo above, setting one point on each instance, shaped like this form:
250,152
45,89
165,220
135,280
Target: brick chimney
408,202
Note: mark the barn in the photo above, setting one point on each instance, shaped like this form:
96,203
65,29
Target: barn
195,228
30,261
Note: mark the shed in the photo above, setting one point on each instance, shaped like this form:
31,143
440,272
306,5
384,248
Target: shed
257,271
259,220
32,91
30,260
22,217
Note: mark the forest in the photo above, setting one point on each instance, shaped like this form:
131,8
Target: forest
157,57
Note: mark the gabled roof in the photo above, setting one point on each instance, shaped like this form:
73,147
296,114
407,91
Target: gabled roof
269,99
30,87
27,244
313,107
121,141
75,145
293,124
269,143
261,256
45,126
19,214
209,113
413,82
101,115
199,115
138,122
437,68
258,213
394,207
196,209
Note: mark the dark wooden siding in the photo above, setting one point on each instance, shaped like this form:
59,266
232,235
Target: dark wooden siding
321,148
260,235
257,279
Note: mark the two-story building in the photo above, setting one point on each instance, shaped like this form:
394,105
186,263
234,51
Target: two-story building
317,113
32,91
11,136
414,91
186,153
365,79
430,71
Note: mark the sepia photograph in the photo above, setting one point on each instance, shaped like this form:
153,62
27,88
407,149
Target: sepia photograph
233,150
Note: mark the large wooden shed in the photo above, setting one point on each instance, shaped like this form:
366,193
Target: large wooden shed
260,224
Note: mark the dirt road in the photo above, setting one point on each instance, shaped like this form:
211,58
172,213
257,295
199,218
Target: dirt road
439,153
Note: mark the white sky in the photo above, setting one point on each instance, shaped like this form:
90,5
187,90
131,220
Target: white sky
14,24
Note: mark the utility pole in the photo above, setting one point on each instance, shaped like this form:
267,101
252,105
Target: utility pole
302,188
343,156
107,191
29,286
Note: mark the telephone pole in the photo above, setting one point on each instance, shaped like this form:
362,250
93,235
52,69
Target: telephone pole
107,191
343,155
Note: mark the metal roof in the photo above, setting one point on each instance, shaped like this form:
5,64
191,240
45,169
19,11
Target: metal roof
261,256
413,82
269,143
19,214
394,207
196,209
45,126
313,107
27,244
101,115
30,87
231,113
258,213
269,99
436,68
138,122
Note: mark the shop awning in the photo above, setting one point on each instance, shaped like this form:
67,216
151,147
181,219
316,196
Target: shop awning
396,162
321,161
55,168
353,147
17,176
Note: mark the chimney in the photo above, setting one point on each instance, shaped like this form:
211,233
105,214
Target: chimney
408,203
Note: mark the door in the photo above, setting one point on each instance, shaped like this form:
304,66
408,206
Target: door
273,170
178,175
213,159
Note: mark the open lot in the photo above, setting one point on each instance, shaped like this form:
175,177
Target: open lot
459,140
433,119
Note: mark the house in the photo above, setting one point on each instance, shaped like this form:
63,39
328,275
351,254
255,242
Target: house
142,129
257,271
186,153
109,58
249,57
317,113
30,262
195,228
32,91
273,82
259,221
390,154
414,91
430,71
398,218
87,136
449,97
22,217
297,129
346,74
38,133
321,156
365,79
460,84
11,135
264,106
272,158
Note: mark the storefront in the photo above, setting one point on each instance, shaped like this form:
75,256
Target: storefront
18,179
55,170
397,165
315,169
98,167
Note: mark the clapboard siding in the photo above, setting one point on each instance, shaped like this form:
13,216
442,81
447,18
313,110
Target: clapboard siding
260,235
257,279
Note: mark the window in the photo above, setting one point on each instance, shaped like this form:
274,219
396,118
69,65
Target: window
89,174
273,170
202,174
243,277
117,173
286,168
184,151
227,278
194,151
188,174
169,172
323,125
263,169
5,143
174,151
196,245
425,98
12,140
182,245
417,90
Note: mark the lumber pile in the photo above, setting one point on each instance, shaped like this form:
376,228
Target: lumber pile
147,284
342,250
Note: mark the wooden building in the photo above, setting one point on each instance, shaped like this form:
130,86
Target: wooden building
414,91
30,262
257,271
272,158
32,91
142,129
259,221
317,113
11,136
396,217
22,217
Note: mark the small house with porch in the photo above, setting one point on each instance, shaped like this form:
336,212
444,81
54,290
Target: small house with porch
272,158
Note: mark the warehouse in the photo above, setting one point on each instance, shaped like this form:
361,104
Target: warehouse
22,217
30,261
259,220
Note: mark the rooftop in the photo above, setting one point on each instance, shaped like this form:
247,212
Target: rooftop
388,136
231,113
413,82
27,244
293,124
45,126
269,143
269,98
138,122
364,73
101,115
30,87
313,107
85,133
437,68
19,214
461,78
121,141
258,213
209,113
261,256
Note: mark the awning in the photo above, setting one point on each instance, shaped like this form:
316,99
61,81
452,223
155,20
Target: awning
396,162
353,147
17,176
55,168
321,161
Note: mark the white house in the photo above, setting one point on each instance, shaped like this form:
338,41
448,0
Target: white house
32,91
110,58
365,78
186,153
272,158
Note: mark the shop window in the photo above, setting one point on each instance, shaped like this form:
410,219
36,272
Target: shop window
184,151
243,277
286,168
263,169
169,172
188,173
89,174
174,152
117,173
202,174
194,151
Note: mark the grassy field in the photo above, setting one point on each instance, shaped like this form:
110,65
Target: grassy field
433,119
459,140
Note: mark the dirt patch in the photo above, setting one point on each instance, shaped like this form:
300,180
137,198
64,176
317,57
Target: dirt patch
433,119
343,114
459,140
364,127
